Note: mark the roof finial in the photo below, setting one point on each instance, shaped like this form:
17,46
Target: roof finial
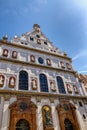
5,37
36,27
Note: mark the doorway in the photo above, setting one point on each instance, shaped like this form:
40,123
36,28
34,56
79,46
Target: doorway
22,124
68,125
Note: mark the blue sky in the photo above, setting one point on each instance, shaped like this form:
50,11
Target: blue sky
64,22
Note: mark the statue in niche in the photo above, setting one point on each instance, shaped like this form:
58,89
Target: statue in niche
32,58
62,65
14,54
47,116
52,84
34,83
12,81
48,62
69,88
5,52
75,89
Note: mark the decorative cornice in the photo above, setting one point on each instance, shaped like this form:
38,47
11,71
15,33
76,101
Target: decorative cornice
33,49
17,62
38,94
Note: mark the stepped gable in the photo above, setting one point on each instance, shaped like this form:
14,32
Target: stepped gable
36,39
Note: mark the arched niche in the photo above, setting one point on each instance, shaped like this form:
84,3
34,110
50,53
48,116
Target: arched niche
47,118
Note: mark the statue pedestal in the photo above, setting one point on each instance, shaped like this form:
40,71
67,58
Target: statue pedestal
48,128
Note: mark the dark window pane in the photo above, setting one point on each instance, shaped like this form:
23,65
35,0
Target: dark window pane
40,60
45,43
80,104
23,80
43,83
84,116
22,124
31,38
60,85
37,36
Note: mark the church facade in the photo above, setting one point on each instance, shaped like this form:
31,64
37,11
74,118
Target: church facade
39,88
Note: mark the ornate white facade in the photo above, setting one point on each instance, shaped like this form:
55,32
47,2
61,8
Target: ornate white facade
38,81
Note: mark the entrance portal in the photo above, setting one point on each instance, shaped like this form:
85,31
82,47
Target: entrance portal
22,124
67,115
23,114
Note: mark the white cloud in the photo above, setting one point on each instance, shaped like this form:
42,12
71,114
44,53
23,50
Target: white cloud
83,53
83,71
81,4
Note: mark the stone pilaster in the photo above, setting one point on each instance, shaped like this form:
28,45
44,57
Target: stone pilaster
5,118
79,118
39,117
55,117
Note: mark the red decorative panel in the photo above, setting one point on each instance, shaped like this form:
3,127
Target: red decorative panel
5,52
32,58
48,61
2,80
14,54
12,82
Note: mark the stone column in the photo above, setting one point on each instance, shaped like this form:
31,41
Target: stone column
1,109
5,118
56,124
39,117
79,118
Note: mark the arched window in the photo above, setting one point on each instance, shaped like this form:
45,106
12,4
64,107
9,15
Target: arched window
23,80
22,124
68,124
60,85
43,83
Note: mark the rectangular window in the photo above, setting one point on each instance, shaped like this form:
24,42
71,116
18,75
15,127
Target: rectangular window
31,39
80,104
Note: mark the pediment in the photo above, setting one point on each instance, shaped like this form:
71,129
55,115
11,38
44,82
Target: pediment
23,104
36,39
